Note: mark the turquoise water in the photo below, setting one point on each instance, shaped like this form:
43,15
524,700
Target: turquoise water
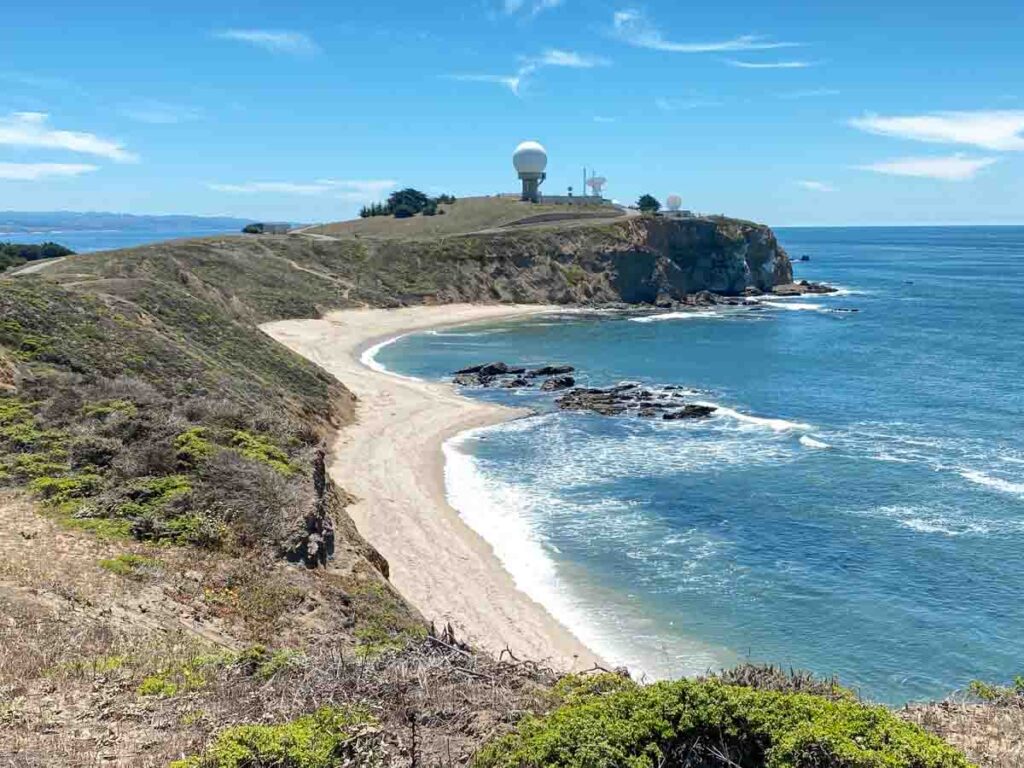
856,508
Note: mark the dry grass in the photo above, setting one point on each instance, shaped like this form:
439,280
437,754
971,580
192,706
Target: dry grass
80,641
470,214
990,734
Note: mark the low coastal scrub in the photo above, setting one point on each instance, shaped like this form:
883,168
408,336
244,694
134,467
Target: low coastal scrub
1000,694
607,720
131,417
329,737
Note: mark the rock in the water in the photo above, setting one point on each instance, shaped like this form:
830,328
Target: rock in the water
558,382
551,370
493,369
470,369
690,412
468,380
517,383
704,299
799,289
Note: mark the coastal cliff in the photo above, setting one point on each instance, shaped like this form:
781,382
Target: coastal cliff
635,260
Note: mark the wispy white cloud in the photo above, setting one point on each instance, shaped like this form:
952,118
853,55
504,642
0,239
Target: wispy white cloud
552,57
512,82
357,190
1001,130
951,168
816,186
273,40
32,130
633,27
160,112
809,93
556,57
528,8
770,64
37,171
604,119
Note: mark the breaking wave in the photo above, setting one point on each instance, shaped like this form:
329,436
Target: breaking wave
996,483
369,359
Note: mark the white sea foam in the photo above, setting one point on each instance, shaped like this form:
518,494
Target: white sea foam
467,334
776,425
810,442
996,483
927,520
369,358
500,513
702,314
795,306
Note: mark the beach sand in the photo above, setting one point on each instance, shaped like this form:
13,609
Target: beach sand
391,459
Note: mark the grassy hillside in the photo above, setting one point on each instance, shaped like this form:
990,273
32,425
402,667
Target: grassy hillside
466,215
165,520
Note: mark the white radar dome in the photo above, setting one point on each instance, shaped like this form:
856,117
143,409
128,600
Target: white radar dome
530,157
674,202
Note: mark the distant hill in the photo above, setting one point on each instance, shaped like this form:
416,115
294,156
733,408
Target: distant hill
13,222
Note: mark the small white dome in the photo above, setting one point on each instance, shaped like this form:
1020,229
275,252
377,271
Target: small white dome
530,157
674,202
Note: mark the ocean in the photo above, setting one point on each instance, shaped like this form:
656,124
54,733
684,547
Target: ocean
855,507
89,240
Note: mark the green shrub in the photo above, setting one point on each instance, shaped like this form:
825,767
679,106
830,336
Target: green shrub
61,490
323,739
999,694
193,445
128,564
608,721
106,407
158,685
259,448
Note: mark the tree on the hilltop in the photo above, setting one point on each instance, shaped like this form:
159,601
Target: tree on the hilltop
409,201
648,204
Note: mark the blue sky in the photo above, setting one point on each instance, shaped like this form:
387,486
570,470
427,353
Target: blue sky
861,113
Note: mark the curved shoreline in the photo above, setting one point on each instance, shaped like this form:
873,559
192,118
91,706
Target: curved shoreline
392,460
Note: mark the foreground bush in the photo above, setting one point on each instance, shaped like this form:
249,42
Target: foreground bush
611,721
329,737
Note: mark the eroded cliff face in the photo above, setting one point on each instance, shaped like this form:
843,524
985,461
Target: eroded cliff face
639,260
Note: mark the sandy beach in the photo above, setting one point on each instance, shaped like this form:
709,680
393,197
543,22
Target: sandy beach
391,459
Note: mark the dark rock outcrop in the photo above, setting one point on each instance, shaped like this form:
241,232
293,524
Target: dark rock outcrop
799,289
689,412
550,370
556,383
632,400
